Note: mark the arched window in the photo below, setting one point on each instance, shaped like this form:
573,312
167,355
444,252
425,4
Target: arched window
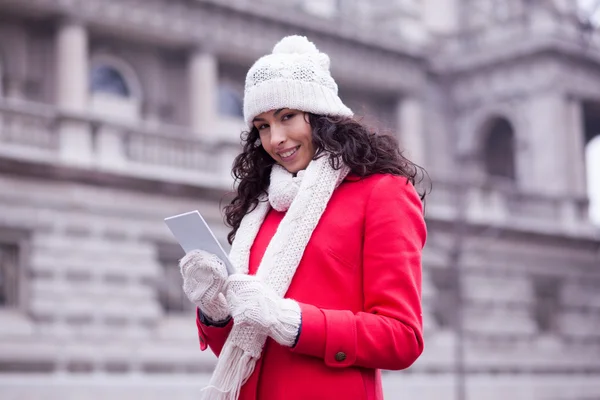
230,102
499,149
107,79
2,78
592,157
115,89
591,114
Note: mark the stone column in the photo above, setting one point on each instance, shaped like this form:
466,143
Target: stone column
542,19
72,93
549,141
14,68
441,16
410,114
576,172
203,84
72,67
154,89
567,6
110,148
576,133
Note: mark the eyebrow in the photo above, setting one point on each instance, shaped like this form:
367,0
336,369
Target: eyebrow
274,114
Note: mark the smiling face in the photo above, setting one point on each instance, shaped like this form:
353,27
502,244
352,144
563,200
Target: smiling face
287,136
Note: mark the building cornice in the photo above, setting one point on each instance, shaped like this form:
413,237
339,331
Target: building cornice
239,33
460,55
335,27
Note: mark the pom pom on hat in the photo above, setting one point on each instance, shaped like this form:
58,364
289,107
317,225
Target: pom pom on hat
296,75
295,44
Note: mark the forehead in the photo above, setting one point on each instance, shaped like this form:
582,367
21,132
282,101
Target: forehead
274,113
265,114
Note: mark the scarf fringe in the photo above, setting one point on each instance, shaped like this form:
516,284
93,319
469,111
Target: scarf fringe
227,379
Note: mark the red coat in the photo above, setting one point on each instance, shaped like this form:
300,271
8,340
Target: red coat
359,288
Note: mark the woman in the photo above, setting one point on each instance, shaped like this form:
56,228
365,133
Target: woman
327,233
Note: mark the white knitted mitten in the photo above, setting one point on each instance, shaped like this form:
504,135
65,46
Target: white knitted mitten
253,303
204,277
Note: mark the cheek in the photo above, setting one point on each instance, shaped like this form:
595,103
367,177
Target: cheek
266,144
305,133
308,139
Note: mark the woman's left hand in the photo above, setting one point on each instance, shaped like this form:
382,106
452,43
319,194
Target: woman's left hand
252,302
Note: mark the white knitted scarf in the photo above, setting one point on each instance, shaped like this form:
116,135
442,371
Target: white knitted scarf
305,198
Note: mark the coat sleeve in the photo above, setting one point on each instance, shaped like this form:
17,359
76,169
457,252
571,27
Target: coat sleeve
212,336
388,333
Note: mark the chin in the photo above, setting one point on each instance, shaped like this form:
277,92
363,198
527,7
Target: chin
292,169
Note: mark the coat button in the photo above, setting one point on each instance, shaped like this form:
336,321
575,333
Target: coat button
340,356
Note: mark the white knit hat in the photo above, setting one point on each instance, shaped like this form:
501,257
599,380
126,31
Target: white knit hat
296,75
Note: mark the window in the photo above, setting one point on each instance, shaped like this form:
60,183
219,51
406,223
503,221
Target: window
230,102
169,285
591,113
445,301
546,290
499,149
592,156
9,276
115,89
107,79
2,78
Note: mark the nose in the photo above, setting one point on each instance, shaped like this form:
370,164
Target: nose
278,136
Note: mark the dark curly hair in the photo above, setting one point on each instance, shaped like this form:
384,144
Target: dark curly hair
363,150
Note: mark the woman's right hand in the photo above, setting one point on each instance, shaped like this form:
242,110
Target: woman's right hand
204,276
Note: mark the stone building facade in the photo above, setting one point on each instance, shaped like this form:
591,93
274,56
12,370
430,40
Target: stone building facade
117,113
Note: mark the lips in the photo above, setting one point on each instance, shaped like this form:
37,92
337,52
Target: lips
288,153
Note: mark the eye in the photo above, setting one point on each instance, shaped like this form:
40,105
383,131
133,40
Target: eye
262,126
288,116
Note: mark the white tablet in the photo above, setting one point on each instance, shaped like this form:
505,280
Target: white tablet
192,233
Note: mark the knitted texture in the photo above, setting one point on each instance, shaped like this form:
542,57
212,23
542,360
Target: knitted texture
296,75
254,304
283,188
276,270
204,276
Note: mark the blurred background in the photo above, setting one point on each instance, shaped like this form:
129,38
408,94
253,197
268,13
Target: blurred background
115,114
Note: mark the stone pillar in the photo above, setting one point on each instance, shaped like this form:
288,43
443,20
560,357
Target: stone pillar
567,6
573,210
441,16
154,89
15,63
410,114
548,160
72,93
203,84
575,130
110,148
542,19
72,67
